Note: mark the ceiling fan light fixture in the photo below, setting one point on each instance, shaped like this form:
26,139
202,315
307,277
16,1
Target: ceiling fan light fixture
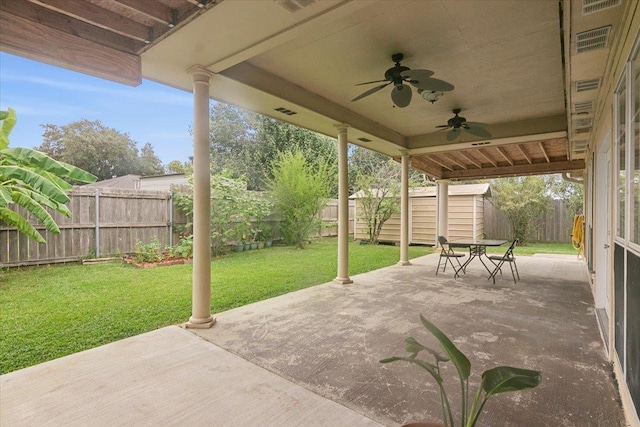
430,95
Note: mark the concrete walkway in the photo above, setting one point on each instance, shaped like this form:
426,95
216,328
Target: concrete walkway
310,358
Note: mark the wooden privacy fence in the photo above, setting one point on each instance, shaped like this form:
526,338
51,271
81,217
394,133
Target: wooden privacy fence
108,221
554,226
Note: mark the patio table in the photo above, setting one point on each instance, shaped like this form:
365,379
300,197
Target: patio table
477,249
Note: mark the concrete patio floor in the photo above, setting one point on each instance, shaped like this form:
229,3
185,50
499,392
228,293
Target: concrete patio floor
310,358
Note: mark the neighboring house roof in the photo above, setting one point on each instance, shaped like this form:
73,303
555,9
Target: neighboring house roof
454,190
137,182
124,181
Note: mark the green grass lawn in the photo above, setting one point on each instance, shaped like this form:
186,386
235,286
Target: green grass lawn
49,312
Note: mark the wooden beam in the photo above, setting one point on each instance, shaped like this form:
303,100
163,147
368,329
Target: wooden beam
38,42
436,161
518,170
546,156
505,155
152,10
425,165
26,9
487,158
95,15
470,159
452,159
524,153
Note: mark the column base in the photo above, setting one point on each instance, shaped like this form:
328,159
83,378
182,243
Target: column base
200,323
403,263
342,280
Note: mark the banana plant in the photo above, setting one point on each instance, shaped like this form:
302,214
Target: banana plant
34,181
497,380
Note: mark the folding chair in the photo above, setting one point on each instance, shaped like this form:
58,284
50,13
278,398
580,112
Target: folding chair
447,253
507,257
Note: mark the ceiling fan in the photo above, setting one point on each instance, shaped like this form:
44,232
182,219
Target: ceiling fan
457,122
401,93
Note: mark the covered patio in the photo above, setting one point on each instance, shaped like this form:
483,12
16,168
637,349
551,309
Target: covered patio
553,86
311,357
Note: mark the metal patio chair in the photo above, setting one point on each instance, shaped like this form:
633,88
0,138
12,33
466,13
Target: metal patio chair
501,259
447,253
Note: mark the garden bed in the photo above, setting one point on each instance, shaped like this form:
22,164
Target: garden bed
164,262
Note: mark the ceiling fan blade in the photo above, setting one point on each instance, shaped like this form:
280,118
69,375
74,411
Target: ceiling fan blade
478,131
370,91
416,75
431,84
375,81
401,95
443,126
453,134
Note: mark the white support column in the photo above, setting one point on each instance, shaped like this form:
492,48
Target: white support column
201,280
404,211
442,194
343,207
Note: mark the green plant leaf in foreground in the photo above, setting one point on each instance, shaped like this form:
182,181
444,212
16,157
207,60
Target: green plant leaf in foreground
458,359
507,378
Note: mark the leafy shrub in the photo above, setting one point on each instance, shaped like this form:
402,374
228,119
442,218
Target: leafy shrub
299,191
151,252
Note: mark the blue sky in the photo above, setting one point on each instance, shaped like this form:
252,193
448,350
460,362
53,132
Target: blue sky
42,93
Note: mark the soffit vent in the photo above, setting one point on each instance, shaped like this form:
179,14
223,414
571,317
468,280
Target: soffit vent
292,6
582,130
579,146
585,85
581,123
364,139
583,107
285,111
597,38
591,6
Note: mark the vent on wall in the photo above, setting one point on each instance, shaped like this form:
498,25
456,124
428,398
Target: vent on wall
293,6
591,6
581,123
285,111
597,38
579,146
585,85
583,107
582,130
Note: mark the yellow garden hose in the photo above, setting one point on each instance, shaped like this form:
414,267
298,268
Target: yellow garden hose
577,234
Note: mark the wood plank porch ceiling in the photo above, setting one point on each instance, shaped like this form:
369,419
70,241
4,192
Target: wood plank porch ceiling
487,161
104,38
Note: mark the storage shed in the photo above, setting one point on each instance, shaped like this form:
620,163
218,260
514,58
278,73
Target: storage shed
466,215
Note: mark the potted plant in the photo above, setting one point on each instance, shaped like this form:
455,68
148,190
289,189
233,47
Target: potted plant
496,380
267,234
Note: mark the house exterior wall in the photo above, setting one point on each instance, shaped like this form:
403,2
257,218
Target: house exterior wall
623,287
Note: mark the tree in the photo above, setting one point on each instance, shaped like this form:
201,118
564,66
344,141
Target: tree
176,166
103,151
299,192
149,163
33,181
379,191
274,137
523,200
247,144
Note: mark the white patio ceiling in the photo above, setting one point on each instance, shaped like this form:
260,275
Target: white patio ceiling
514,65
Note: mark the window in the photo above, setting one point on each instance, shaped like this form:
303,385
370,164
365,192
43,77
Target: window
621,147
635,152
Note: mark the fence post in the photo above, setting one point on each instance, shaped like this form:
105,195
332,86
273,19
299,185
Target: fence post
170,207
97,222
